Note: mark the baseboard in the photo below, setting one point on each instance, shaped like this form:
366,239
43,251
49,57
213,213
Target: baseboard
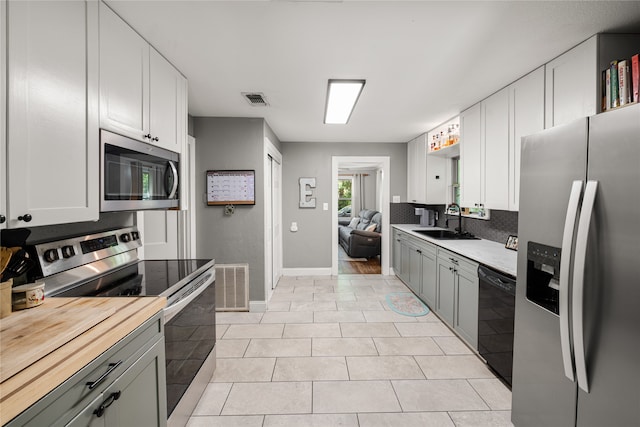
306,271
257,306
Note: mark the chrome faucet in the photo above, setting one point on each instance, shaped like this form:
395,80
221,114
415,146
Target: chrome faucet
459,229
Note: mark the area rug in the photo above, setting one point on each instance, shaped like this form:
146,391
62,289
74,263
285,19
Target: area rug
407,304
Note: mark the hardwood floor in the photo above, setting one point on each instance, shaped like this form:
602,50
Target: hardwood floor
345,266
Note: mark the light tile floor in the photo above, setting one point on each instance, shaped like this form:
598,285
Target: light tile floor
330,352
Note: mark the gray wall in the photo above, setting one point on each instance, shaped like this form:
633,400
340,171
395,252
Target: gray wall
232,143
310,246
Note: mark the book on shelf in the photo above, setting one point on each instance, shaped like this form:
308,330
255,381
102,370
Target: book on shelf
615,98
623,82
635,74
607,89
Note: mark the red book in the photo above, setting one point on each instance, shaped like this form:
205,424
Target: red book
635,73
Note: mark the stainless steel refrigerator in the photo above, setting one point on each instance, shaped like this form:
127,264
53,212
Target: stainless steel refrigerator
577,320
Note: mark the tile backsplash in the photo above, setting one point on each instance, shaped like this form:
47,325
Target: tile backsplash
498,228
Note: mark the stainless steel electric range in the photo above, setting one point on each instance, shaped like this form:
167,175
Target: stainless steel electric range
106,264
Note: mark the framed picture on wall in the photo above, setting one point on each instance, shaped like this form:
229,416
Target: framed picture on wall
512,243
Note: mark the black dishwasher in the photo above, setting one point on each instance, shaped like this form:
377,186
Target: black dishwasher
496,307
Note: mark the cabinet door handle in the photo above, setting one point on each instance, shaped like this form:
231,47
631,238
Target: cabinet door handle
156,139
25,218
147,136
419,251
112,367
2,219
107,402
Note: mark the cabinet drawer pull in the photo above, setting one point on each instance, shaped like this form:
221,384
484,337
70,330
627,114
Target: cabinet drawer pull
107,402
112,367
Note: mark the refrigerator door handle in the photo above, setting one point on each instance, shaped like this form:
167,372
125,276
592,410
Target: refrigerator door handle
565,268
582,239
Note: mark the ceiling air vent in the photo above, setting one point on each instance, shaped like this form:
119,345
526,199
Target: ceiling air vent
255,99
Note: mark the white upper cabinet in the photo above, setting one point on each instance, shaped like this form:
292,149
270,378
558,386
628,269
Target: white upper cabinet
437,180
526,117
572,83
168,94
573,80
471,154
495,110
417,169
124,77
426,174
52,101
142,95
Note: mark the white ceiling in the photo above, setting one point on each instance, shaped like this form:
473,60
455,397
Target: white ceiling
424,61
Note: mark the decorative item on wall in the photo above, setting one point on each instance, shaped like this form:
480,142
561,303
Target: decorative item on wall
306,185
512,243
229,209
231,187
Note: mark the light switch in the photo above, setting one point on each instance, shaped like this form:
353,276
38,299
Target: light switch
396,199
325,206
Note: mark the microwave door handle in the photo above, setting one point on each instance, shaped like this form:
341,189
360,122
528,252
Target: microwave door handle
582,238
174,187
565,267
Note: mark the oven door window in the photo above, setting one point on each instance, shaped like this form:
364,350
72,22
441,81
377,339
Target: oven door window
130,175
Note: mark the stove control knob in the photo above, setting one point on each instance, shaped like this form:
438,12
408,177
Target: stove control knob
51,255
126,237
135,235
68,251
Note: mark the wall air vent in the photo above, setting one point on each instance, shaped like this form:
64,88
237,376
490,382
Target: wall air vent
232,287
255,99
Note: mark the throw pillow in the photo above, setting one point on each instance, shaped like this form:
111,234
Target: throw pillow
354,222
372,227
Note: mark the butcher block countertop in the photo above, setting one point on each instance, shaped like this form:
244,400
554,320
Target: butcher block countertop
43,346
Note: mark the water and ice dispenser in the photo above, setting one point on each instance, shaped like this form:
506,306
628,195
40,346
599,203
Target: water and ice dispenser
543,273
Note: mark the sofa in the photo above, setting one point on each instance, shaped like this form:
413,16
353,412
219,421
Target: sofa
361,238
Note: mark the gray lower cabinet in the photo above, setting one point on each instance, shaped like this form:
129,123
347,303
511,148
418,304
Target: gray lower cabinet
466,320
429,275
444,280
458,294
445,306
397,252
124,386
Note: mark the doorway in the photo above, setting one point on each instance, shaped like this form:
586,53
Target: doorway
381,166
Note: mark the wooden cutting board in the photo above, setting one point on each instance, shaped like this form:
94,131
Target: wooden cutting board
31,334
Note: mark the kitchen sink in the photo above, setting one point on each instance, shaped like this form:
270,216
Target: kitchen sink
446,235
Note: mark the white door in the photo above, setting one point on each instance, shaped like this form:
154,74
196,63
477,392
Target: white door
268,212
276,180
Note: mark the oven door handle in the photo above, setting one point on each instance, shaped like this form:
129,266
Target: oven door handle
172,310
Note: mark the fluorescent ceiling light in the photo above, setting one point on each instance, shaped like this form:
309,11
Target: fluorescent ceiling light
342,96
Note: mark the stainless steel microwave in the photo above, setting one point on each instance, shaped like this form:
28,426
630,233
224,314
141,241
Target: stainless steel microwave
136,176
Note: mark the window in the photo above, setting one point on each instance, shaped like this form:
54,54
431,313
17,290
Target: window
345,186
